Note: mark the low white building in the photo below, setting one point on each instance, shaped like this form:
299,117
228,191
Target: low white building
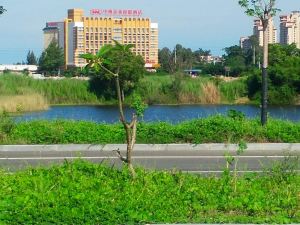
19,68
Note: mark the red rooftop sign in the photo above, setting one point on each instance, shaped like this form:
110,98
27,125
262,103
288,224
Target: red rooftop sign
52,24
116,12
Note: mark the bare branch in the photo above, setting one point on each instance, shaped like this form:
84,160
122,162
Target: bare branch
122,158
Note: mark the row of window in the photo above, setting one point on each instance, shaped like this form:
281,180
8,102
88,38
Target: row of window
105,37
118,29
95,44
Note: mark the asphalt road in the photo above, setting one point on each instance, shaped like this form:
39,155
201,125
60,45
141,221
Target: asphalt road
209,158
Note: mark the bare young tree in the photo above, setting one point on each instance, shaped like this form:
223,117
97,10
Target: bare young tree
264,10
99,62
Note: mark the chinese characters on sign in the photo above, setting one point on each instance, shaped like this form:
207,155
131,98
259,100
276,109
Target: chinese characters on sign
52,24
116,12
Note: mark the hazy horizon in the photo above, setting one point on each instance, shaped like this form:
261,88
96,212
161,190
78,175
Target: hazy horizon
212,25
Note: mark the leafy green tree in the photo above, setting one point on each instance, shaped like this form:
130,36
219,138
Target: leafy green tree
2,10
284,75
52,59
264,10
131,69
235,60
183,58
31,59
117,62
166,60
200,54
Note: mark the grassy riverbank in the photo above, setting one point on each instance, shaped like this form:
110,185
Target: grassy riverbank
85,193
180,89
155,89
216,129
64,91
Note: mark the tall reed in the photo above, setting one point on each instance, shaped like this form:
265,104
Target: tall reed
23,103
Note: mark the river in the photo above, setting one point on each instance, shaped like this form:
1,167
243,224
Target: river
170,113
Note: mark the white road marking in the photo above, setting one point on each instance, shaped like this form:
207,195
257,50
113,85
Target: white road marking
137,157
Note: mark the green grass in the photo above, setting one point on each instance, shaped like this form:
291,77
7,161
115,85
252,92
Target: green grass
85,193
182,89
231,91
66,91
216,129
155,89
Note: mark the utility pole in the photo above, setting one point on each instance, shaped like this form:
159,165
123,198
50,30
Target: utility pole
175,58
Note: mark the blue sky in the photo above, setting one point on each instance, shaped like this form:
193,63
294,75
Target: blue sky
208,24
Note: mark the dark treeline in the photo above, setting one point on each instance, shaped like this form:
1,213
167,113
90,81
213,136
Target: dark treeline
235,60
284,67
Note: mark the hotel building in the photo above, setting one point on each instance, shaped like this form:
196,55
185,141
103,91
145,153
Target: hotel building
290,29
258,32
79,34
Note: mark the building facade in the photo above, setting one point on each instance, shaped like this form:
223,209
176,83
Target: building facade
245,43
79,34
290,29
258,32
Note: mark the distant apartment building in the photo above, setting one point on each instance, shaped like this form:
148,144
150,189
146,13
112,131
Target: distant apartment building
245,43
79,34
290,28
211,59
258,32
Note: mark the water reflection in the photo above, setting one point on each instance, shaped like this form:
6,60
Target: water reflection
173,113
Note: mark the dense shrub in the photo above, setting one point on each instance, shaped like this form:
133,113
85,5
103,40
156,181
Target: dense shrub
84,193
217,129
6,126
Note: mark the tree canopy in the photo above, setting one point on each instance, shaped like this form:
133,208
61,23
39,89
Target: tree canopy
262,9
284,75
2,10
130,69
31,59
52,59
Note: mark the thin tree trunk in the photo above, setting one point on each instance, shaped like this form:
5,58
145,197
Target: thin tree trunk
264,95
130,130
254,56
123,95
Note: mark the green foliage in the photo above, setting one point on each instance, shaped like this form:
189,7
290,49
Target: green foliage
52,59
233,90
31,59
112,61
65,91
138,105
85,193
157,89
6,126
234,114
179,59
259,8
217,129
284,76
166,60
235,60
2,10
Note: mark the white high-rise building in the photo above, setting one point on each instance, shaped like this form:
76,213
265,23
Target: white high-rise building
245,43
290,29
258,32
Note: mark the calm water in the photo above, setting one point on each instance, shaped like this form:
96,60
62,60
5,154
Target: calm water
174,114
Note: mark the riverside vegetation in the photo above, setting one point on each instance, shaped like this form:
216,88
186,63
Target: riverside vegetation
85,193
216,129
22,93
